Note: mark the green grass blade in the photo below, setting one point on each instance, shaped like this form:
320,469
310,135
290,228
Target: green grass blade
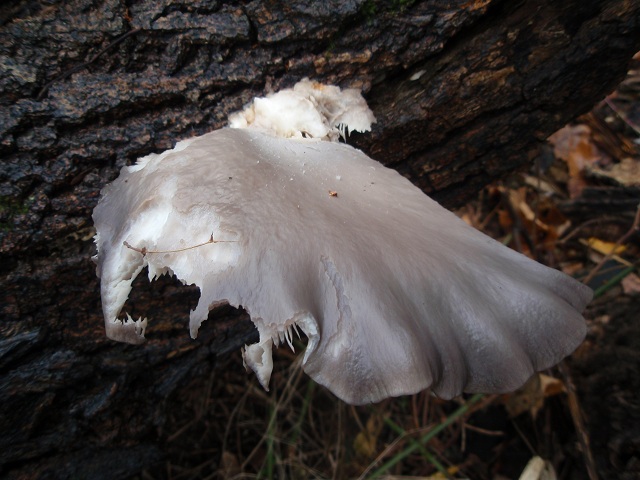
427,437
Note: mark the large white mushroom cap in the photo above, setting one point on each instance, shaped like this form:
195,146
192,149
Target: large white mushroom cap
395,293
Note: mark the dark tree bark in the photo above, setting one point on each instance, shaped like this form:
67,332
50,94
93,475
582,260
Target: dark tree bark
464,92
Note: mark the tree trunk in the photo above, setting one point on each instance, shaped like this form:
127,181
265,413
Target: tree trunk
464,92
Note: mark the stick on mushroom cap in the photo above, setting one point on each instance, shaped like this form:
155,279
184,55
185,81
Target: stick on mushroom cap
395,293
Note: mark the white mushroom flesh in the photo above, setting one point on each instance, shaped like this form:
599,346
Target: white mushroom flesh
395,293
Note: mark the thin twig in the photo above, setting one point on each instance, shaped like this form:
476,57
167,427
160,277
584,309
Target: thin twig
577,416
595,221
483,431
143,251
623,117
389,448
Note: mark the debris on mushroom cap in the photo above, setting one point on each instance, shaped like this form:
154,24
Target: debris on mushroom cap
394,292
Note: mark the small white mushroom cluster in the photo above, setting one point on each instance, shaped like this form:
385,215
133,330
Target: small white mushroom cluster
394,292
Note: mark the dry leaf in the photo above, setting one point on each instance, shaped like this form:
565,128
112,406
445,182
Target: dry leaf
605,248
544,225
366,442
551,386
530,398
573,144
625,173
538,469
229,465
572,268
541,185
631,284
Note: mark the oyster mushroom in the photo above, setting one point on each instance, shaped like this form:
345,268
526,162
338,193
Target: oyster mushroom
395,293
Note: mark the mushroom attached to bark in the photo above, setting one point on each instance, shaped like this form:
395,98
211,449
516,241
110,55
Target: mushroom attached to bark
395,293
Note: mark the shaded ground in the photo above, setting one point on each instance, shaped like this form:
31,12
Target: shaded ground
606,374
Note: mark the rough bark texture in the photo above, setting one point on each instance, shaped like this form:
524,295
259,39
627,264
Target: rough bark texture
464,92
